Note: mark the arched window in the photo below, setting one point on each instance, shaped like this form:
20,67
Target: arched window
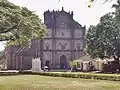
78,46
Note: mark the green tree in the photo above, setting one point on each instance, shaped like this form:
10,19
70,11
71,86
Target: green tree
117,29
18,25
92,1
103,39
99,0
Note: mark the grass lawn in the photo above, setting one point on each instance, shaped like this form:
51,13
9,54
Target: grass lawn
36,82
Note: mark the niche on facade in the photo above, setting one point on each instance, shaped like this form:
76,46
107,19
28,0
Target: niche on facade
65,45
78,46
47,46
60,46
62,33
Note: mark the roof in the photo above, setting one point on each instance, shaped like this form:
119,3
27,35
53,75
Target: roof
84,58
76,25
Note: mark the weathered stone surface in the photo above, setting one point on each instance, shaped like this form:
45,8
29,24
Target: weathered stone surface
63,42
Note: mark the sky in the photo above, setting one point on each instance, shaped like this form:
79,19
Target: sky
82,14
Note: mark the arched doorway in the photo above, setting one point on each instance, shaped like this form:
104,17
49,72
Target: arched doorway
63,62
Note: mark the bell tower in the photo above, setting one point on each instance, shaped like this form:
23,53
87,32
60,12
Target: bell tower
49,19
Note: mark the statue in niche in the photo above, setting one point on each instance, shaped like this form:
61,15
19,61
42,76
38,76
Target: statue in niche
65,45
60,45
62,33
47,46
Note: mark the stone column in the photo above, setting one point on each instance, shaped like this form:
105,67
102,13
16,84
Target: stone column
13,62
53,46
72,41
16,62
41,52
21,62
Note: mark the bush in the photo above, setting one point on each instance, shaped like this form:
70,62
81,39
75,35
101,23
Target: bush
111,77
72,63
8,73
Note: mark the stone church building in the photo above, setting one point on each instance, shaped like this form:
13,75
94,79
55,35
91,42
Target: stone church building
64,42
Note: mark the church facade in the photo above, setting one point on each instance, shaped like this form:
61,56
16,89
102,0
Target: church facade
64,41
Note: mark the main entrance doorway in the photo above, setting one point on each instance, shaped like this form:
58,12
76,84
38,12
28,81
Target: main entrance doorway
63,62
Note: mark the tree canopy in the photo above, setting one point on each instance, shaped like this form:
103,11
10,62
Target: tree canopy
92,1
18,25
103,40
100,37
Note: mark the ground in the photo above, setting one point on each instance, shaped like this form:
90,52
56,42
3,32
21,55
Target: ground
36,82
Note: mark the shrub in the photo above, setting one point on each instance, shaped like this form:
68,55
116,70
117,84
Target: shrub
8,73
111,77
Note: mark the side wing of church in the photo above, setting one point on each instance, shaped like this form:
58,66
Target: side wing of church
64,42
